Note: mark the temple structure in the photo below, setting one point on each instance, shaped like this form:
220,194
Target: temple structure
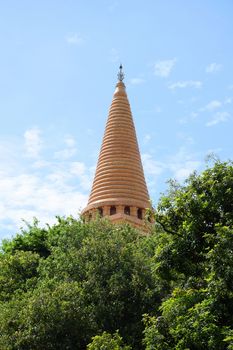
119,189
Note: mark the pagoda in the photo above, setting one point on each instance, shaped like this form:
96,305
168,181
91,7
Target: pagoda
119,190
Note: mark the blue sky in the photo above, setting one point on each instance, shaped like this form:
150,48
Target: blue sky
58,66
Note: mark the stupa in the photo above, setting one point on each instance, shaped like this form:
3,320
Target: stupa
119,190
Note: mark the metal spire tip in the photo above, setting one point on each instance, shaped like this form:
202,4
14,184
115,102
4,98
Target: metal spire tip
120,74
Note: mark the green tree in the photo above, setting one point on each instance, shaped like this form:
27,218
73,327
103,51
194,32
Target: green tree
107,341
194,257
72,284
33,238
18,273
191,211
96,278
112,265
54,316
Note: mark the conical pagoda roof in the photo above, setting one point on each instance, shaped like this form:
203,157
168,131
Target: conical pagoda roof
119,177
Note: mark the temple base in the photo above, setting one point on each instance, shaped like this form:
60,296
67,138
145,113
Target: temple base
117,214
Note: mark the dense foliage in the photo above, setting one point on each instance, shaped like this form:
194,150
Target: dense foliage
194,263
78,285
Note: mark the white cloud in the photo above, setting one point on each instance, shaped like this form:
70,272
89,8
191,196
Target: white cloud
213,67
183,120
197,84
8,155
219,117
151,166
74,39
77,168
184,170
211,106
90,132
40,163
186,138
213,151
228,100
190,117
80,171
177,166
33,142
137,81
39,187
182,164
70,141
147,138
163,68
67,152
27,195
152,169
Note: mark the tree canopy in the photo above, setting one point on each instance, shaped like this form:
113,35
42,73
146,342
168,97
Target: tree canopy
77,285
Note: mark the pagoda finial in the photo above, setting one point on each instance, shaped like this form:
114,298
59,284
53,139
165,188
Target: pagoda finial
120,74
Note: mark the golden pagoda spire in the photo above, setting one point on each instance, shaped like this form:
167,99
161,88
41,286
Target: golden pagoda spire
119,189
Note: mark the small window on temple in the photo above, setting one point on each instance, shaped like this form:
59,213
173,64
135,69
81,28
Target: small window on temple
127,210
139,213
100,211
112,210
90,217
